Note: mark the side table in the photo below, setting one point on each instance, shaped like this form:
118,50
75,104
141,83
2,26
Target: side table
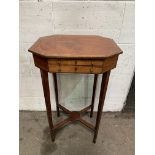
86,54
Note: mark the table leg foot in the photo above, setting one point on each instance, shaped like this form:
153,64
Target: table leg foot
91,115
58,112
94,141
52,136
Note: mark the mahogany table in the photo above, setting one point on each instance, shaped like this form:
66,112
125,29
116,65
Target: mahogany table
86,54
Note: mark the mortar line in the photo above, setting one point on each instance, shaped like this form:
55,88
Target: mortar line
124,10
52,18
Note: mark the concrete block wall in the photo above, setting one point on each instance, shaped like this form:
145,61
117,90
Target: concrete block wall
114,19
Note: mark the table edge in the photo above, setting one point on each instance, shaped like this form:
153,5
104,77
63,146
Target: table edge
73,57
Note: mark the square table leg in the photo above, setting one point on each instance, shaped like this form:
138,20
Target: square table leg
56,93
93,96
45,83
104,84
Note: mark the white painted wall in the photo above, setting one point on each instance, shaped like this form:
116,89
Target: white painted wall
114,19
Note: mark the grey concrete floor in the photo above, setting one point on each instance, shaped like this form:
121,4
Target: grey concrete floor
115,137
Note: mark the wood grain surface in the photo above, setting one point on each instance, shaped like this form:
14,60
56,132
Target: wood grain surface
75,46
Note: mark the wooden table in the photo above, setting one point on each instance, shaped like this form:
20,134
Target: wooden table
87,54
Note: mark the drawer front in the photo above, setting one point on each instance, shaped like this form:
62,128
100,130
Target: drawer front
75,69
81,66
76,62
61,62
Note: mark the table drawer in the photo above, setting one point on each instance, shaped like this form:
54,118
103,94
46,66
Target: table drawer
76,66
76,62
90,62
75,69
61,62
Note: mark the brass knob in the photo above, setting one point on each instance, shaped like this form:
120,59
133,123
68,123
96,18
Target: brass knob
90,70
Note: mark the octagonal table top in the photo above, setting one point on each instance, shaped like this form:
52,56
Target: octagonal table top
75,46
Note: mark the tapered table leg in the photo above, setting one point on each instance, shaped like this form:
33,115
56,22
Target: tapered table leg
104,84
45,83
56,93
93,96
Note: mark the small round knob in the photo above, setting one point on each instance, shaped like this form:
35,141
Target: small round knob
90,70
75,68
